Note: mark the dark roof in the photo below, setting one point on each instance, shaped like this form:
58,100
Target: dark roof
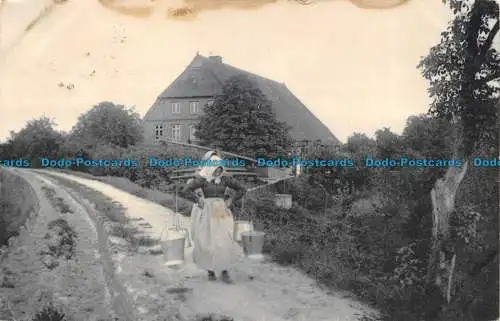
205,76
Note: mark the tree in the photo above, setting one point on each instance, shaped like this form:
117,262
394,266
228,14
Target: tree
429,136
360,147
37,139
389,144
361,144
460,70
107,123
241,120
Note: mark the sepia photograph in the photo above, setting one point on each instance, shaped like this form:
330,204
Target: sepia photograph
249,160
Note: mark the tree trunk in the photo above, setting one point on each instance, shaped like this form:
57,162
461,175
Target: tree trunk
442,259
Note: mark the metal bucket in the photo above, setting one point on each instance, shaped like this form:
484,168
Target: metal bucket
283,201
240,227
173,247
253,242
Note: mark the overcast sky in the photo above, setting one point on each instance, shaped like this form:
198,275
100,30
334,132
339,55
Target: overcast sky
354,68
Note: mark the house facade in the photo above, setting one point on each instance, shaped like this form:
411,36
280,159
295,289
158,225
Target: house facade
177,110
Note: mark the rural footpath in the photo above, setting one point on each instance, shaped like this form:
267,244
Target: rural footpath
106,275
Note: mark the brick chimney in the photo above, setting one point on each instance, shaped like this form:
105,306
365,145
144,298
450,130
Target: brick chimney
217,59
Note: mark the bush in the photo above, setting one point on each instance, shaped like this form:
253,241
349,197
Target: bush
50,313
64,239
303,192
143,175
4,231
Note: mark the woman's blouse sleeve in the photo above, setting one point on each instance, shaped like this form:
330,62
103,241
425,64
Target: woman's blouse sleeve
236,186
188,190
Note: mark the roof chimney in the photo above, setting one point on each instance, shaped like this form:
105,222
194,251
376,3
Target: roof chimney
217,59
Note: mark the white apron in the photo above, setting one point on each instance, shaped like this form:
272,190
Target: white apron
212,234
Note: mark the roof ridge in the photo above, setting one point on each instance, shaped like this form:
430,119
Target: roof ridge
238,69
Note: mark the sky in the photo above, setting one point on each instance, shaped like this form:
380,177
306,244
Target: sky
354,68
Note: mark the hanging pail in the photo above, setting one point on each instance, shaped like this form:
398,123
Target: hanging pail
240,227
253,242
173,247
283,200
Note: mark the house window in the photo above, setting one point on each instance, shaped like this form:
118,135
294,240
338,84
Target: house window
176,132
210,102
158,131
176,108
194,107
192,133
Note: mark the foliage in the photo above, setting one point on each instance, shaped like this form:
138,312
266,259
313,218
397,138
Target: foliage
50,313
107,123
389,144
342,178
409,269
359,147
462,70
303,192
361,144
428,136
63,239
37,139
4,231
242,120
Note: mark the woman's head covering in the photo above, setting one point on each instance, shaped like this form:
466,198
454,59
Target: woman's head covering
208,155
207,170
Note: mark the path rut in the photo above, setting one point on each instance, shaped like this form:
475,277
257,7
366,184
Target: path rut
122,305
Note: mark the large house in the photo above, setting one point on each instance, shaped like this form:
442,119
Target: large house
176,111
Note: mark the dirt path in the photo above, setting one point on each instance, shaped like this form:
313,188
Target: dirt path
60,259
263,291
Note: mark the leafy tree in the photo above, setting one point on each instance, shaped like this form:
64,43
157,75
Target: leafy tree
461,70
389,144
429,136
107,123
360,147
360,144
37,139
241,120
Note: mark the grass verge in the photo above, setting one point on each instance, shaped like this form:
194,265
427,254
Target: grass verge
56,201
164,199
113,214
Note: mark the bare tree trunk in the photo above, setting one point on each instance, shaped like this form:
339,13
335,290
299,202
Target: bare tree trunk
442,257
443,205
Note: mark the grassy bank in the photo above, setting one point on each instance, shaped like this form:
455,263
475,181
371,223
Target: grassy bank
165,199
17,203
